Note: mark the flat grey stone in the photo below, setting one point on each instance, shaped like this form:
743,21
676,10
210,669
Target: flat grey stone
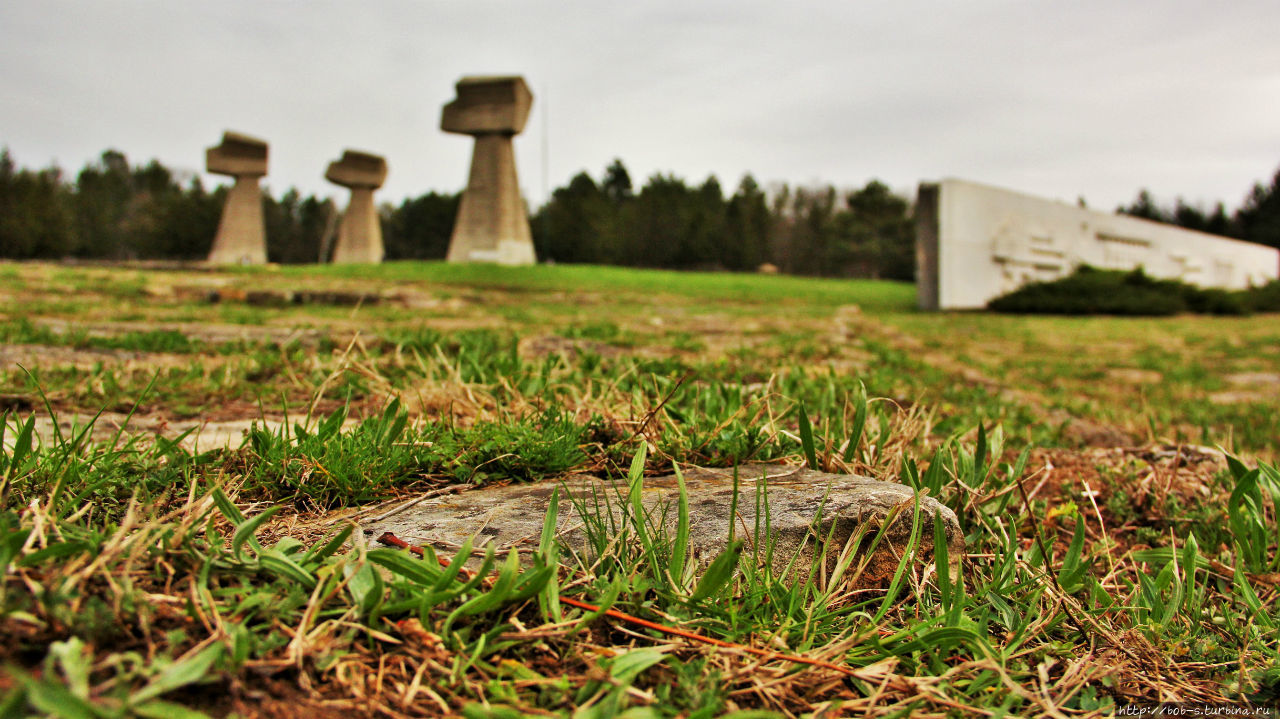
805,509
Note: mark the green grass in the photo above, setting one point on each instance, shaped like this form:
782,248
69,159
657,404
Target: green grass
23,331
317,464
730,287
968,638
141,578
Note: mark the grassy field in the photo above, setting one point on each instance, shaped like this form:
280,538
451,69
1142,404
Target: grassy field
1115,477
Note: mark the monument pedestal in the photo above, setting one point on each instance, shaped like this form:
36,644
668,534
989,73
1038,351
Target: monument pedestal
240,239
492,225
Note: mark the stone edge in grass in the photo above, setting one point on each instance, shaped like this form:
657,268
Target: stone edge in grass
804,506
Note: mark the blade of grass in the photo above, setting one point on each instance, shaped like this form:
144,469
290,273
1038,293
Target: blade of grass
806,438
859,422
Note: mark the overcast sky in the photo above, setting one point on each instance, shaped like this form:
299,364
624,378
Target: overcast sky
1058,99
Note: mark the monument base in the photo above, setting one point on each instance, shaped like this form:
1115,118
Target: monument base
492,224
241,239
360,234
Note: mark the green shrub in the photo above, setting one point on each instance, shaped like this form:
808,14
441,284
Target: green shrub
1263,299
1091,291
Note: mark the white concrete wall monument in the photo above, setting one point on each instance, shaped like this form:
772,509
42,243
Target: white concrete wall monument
975,243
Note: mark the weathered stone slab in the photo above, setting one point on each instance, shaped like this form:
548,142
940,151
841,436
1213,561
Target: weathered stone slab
804,507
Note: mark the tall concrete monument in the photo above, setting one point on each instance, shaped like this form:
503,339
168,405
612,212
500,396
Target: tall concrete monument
360,234
241,239
492,224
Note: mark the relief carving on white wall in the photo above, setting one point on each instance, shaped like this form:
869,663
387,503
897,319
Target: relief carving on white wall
1027,255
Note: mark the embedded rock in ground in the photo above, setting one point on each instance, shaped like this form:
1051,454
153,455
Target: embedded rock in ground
804,508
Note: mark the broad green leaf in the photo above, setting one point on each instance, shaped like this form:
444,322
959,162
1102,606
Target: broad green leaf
547,547
806,438
22,445
241,644
680,548
636,472
941,562
940,639
459,559
936,475
179,674
635,490
625,668
497,594
859,422
719,573
246,530
14,700
53,698
1250,598
331,546
11,545
492,711
1238,468
285,567
404,565
227,507
54,551
1073,568
365,585
531,582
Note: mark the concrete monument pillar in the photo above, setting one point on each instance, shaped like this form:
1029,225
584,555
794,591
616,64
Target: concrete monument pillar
360,234
492,224
241,238
927,246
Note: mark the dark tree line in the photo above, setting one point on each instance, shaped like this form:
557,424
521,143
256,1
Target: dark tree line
116,211
670,224
113,210
1257,219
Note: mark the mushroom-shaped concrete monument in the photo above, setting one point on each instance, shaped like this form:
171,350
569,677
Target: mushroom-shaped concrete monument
241,238
360,234
492,224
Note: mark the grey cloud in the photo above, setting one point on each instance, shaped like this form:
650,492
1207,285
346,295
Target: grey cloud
1091,98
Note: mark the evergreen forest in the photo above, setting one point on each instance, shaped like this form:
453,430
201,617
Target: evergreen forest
114,210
